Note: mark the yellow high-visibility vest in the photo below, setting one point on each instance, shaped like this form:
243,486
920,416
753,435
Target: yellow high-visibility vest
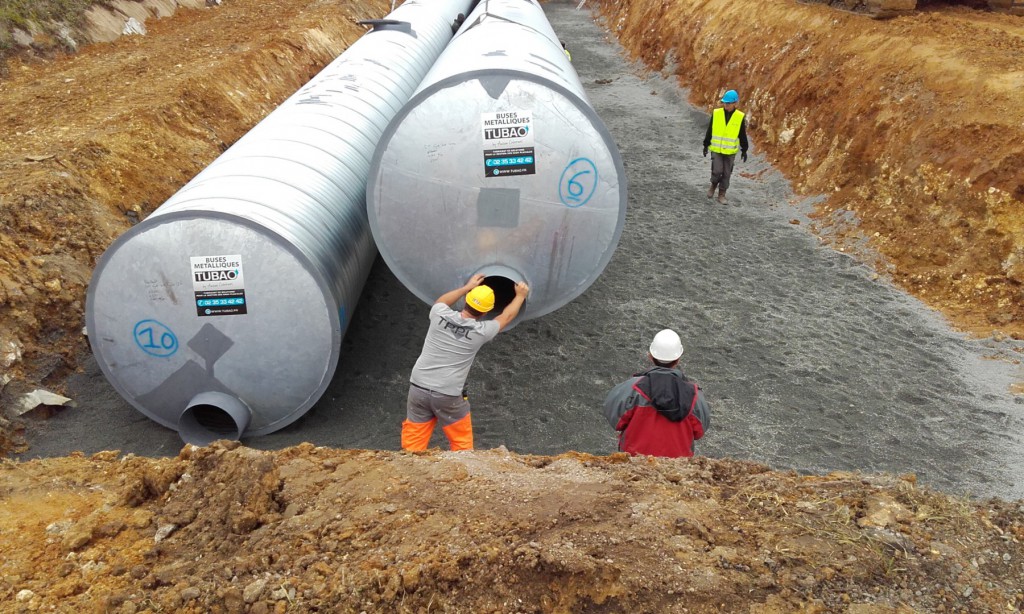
567,54
725,137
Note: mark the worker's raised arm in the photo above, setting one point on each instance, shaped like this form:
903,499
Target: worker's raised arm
512,310
449,298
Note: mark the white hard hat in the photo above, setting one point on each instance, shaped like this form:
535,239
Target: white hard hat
666,346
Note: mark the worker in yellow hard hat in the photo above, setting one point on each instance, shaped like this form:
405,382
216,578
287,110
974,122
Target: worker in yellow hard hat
438,379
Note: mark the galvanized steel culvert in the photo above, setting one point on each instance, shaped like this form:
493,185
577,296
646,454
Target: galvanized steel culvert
222,314
499,165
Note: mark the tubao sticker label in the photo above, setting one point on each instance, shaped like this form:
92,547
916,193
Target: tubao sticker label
508,143
219,285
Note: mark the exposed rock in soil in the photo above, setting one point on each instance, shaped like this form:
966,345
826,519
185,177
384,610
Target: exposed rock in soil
227,528
53,28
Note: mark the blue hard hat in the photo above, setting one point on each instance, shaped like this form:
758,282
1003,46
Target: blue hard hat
731,96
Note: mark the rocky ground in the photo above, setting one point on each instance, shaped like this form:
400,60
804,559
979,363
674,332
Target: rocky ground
231,529
900,139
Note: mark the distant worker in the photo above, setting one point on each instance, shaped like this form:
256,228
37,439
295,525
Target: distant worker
659,412
438,379
566,51
726,134
459,20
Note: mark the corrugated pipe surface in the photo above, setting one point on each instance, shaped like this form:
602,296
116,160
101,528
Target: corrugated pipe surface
222,314
500,160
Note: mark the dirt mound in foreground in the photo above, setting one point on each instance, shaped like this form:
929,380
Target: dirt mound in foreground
230,529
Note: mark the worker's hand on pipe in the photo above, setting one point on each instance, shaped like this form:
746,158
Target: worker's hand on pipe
705,152
475,281
522,289
744,156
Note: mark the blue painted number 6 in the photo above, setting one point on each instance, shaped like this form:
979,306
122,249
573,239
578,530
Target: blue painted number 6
578,182
155,339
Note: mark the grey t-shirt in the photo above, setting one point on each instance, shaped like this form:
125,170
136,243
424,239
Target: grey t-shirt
449,349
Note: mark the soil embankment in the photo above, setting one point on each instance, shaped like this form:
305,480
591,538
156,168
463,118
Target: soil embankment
912,127
306,529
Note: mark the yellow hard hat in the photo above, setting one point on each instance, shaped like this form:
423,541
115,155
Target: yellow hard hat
481,298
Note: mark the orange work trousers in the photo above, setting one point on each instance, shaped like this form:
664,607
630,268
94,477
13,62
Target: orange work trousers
416,435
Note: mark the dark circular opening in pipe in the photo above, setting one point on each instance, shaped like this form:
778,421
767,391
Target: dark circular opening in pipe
504,291
211,416
215,420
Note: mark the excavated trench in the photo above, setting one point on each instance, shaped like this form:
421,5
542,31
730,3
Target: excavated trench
911,126
778,329
810,360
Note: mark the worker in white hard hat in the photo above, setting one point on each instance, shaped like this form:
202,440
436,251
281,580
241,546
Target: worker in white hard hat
726,135
659,412
438,379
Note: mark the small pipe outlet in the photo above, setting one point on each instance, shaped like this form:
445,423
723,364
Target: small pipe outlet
210,416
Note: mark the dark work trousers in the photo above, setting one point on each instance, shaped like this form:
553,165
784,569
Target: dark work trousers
721,170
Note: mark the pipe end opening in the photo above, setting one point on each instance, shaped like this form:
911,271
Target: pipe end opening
211,416
504,291
502,279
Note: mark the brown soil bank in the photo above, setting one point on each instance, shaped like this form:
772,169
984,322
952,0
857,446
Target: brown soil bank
915,126
230,529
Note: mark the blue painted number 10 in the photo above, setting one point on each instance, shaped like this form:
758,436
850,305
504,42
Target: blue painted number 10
155,339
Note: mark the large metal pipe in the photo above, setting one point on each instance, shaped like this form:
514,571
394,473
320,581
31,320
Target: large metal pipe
499,165
222,313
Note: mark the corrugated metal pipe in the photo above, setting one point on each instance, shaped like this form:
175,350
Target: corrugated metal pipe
221,315
499,165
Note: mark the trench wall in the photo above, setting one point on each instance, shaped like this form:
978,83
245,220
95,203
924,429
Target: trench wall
912,127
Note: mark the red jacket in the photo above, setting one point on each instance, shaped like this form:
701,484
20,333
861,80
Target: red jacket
643,429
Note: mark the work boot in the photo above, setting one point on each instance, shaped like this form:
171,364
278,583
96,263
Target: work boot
711,191
721,197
